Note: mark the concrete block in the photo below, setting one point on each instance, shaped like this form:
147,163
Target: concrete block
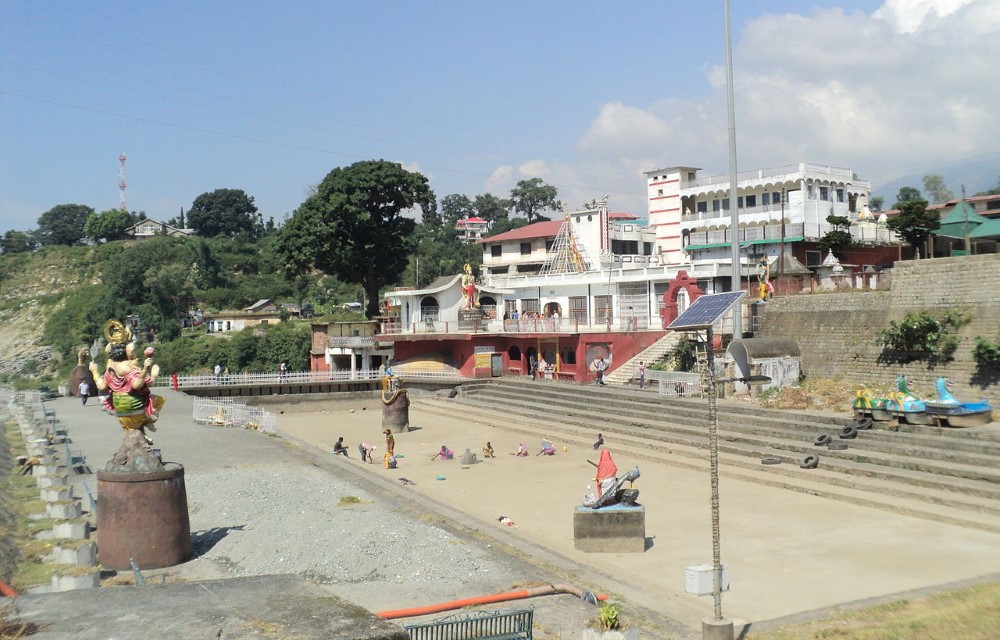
46,482
50,470
79,579
56,493
79,555
71,530
64,509
614,529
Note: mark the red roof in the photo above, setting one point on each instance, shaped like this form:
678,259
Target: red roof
543,229
623,216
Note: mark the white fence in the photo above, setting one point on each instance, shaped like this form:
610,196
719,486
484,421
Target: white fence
677,384
225,412
299,377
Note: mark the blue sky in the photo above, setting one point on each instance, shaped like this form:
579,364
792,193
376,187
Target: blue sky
269,97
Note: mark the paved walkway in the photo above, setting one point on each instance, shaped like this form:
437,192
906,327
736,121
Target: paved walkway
788,553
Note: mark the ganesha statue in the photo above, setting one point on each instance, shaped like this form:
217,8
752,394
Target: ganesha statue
125,391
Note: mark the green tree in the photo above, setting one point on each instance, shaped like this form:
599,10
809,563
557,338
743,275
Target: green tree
354,227
108,225
907,194
914,223
454,207
839,237
531,197
876,202
17,242
63,224
935,188
491,208
226,212
507,224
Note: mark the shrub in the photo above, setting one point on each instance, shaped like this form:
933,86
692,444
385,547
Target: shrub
987,353
920,335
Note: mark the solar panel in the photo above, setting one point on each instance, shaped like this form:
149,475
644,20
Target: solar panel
706,311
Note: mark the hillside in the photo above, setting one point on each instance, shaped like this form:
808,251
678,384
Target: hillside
32,286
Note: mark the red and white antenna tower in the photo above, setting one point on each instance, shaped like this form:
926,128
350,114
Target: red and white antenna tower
121,183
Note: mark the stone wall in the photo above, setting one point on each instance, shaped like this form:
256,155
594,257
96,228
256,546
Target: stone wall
837,331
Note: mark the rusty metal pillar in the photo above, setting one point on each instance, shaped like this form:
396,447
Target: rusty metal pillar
396,412
143,517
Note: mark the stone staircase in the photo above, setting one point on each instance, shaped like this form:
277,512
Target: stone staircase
652,353
944,475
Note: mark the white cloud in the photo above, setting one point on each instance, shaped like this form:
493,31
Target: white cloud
911,89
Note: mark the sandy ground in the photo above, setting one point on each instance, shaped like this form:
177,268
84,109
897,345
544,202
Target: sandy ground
787,552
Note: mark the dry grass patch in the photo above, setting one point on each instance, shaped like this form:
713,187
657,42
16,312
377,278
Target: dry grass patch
969,614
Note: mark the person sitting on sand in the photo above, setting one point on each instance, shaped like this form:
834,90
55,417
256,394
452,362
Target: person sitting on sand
548,448
444,454
522,451
488,450
599,443
339,448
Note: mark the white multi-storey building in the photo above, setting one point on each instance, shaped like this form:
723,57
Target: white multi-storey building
690,213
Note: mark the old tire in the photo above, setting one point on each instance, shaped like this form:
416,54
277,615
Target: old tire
863,424
849,433
770,460
809,462
823,440
837,446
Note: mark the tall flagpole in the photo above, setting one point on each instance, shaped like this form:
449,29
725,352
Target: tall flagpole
734,210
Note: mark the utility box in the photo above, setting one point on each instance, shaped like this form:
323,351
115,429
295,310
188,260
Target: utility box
698,579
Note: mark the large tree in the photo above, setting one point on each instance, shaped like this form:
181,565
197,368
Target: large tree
353,226
454,207
228,212
108,225
17,242
907,194
63,224
915,223
491,208
935,187
531,197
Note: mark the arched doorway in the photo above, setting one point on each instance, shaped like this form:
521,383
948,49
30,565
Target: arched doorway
429,309
489,306
552,309
682,281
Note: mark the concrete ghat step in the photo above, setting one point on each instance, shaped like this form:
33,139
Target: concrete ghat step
941,444
853,462
901,451
928,504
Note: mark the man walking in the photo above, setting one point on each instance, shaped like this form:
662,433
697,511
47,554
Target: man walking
641,371
601,367
84,392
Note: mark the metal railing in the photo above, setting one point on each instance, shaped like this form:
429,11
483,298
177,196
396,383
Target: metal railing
226,412
676,384
299,377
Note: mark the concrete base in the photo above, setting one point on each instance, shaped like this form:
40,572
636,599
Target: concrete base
143,517
614,529
64,510
84,555
712,629
90,579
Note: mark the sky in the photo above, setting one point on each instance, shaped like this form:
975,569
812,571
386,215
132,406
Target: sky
269,97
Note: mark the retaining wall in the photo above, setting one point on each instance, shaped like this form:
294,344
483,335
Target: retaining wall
837,332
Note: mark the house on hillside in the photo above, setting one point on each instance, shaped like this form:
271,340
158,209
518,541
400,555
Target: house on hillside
261,312
347,346
472,228
149,228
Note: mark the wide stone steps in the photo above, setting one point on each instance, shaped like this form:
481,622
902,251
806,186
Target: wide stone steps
845,480
940,474
971,459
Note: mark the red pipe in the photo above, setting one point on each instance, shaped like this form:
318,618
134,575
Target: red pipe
496,597
6,591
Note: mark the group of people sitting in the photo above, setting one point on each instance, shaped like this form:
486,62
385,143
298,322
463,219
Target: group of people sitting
367,450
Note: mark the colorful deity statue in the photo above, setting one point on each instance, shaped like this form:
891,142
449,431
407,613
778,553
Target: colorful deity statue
469,290
764,278
125,384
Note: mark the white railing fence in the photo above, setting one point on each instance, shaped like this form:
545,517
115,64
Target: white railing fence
677,384
299,377
226,412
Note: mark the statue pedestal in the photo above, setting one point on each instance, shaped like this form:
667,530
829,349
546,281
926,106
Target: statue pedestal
614,529
471,319
143,516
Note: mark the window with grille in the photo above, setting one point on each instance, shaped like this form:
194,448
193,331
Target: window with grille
529,305
602,309
578,308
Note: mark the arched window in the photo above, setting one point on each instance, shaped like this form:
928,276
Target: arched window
514,354
429,309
